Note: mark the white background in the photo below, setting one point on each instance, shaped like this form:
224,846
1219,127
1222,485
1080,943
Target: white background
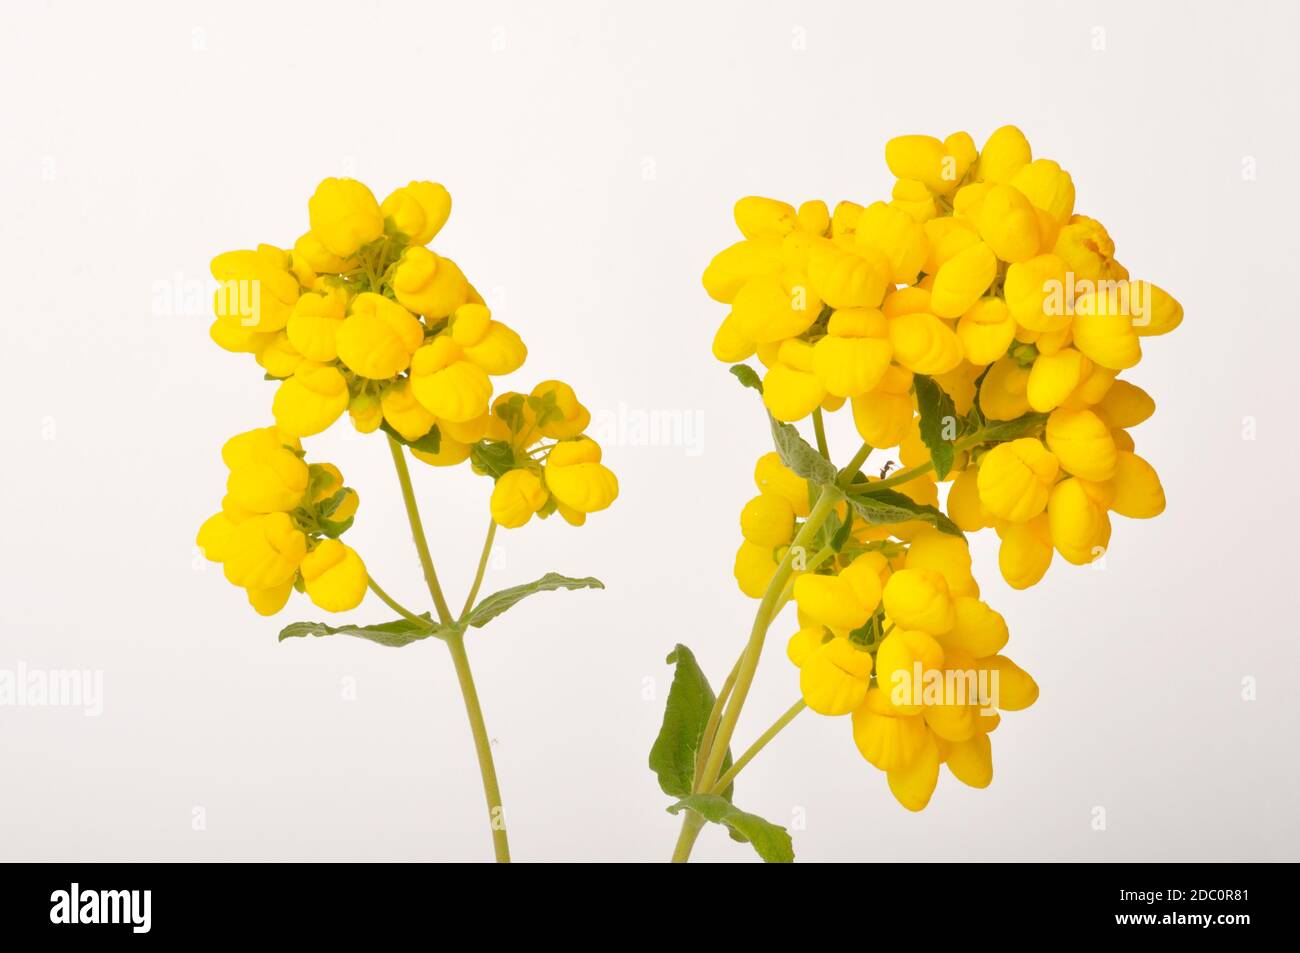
594,153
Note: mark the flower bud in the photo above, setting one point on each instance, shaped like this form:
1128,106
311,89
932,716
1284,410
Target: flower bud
882,415
963,279
1035,293
767,520
1008,223
1079,524
791,391
314,324
913,784
418,210
924,344
428,284
1004,154
733,266
886,737
986,330
344,216
1138,493
758,217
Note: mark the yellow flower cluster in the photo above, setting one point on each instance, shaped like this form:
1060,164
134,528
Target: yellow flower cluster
280,524
360,316
978,286
977,274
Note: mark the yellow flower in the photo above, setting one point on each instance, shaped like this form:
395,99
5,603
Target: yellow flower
315,322
904,661
855,353
266,475
773,307
1078,521
924,344
488,343
1015,477
403,412
791,391
895,235
1138,493
835,677
256,290
378,337
278,357
886,737
1082,443
882,414
1048,187
309,401
1053,378
921,158
344,216
335,576
516,497
446,384
1124,405
310,253
963,279
564,416
767,520
271,600
1104,329
1026,551
418,210
758,217
945,554
1004,395
366,413
1004,154
977,629
964,506
1035,291
773,476
264,551
450,452
1007,222
753,568
732,267
913,784
843,602
919,599
844,275
428,284
576,478
985,330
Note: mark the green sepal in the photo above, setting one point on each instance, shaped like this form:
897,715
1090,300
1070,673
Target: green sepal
495,458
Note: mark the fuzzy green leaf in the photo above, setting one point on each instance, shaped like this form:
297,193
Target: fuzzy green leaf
938,422
492,606
799,455
770,841
690,700
890,506
747,376
394,634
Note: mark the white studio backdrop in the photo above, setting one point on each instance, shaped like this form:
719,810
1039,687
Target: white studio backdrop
594,152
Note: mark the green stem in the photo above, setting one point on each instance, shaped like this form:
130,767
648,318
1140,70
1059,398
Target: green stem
911,473
482,746
482,567
417,531
692,824
711,725
397,606
819,428
758,746
851,471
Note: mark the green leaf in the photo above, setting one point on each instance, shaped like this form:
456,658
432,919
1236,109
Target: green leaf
770,841
690,700
800,456
938,422
1030,425
747,376
890,506
394,634
493,457
492,606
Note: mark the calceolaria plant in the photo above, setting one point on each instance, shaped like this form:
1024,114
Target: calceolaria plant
361,317
976,328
